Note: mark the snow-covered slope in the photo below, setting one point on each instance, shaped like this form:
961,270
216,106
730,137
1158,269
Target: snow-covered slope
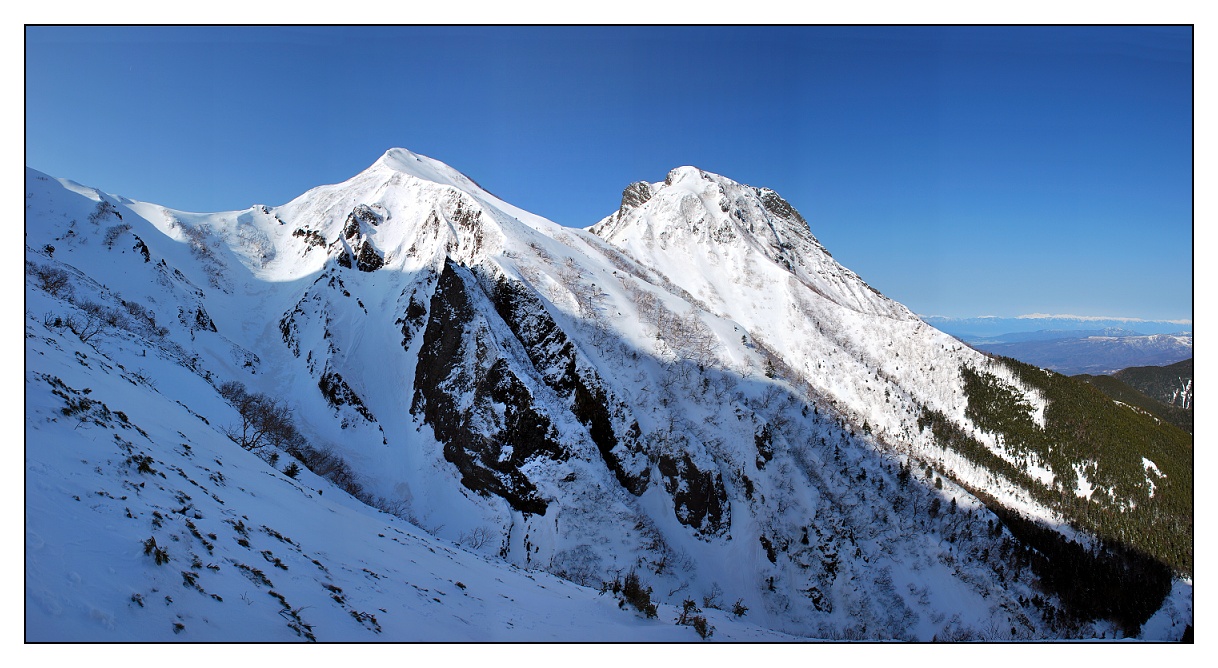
249,553
692,390
701,227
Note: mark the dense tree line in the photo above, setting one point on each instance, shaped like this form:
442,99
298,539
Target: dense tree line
1140,515
1180,417
1147,506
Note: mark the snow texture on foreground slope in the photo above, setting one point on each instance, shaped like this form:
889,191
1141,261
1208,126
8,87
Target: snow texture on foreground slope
249,554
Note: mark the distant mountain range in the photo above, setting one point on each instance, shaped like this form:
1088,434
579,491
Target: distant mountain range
1075,345
990,329
1073,353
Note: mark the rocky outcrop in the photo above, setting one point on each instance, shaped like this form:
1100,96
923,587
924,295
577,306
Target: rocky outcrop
203,321
338,393
412,320
484,415
312,238
698,496
778,206
635,194
556,360
355,248
764,441
367,257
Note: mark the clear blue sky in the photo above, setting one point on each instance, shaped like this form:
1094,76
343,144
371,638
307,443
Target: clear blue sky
962,171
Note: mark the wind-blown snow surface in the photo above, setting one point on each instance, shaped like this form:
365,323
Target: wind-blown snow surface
691,389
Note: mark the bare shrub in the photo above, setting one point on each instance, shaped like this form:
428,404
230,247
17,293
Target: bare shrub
330,466
95,320
144,316
113,233
109,316
265,422
690,617
104,210
197,239
53,280
686,335
476,538
631,591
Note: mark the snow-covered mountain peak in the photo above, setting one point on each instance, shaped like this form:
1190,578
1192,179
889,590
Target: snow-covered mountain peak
403,161
404,211
691,179
694,218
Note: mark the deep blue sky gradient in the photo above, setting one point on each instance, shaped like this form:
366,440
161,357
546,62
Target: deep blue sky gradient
962,171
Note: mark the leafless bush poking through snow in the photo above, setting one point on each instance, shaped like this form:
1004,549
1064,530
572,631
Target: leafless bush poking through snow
589,298
265,422
258,243
108,316
53,280
113,233
199,240
85,328
775,366
146,317
541,252
569,275
476,538
104,210
687,335
644,301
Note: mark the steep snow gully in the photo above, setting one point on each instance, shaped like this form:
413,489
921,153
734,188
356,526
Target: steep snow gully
480,421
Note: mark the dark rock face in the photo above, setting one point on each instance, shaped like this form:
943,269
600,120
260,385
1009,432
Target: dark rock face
338,393
487,417
312,238
139,246
547,346
412,320
339,252
769,549
486,446
365,214
698,496
466,219
360,214
204,321
765,448
554,357
635,194
363,254
591,409
778,206
368,258
464,216
314,303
